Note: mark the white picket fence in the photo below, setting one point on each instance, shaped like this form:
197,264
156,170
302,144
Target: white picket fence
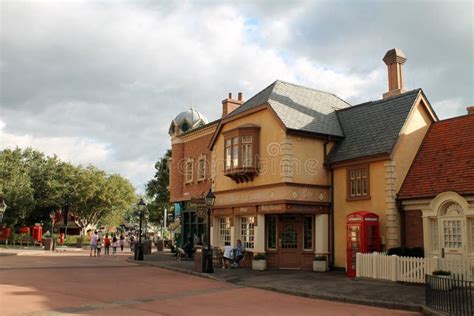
408,269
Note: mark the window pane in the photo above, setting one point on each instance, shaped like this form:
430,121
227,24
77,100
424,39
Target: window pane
270,225
228,158
434,235
247,155
247,232
471,221
308,232
224,230
235,156
247,139
452,234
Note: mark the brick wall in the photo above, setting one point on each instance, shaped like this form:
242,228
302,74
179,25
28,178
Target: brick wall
180,152
413,229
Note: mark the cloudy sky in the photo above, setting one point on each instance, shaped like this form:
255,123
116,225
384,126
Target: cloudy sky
100,82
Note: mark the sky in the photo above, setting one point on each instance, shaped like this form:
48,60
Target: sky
98,82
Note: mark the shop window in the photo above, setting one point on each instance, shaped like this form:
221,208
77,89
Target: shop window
358,183
224,230
434,234
188,170
247,231
241,149
308,233
271,231
202,168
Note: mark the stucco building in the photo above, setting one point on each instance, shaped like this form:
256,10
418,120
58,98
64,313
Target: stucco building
289,164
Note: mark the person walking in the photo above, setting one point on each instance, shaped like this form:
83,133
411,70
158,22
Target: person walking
122,241
94,244
99,246
114,245
106,245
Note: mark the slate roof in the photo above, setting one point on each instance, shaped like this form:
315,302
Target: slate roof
372,128
299,108
445,161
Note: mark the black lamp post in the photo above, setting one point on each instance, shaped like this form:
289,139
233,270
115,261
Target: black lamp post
3,207
210,198
52,215
139,248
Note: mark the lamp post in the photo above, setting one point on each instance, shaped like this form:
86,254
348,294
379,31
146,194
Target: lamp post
52,215
210,198
141,212
3,207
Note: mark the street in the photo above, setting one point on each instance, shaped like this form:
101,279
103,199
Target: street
69,283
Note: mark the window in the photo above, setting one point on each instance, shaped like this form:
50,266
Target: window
271,233
241,152
224,230
434,234
358,183
247,232
452,234
188,170
308,233
247,160
471,232
202,168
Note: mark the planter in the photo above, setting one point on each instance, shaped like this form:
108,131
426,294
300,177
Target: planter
320,266
259,265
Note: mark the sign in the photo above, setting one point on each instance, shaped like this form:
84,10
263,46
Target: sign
201,211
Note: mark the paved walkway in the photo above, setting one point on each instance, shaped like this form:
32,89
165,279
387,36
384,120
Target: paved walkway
330,285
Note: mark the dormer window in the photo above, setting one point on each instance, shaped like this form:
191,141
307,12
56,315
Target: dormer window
241,153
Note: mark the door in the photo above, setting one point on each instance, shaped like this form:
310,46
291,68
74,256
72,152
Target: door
353,247
290,239
452,233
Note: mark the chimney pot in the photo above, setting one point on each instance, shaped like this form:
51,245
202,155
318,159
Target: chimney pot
240,96
394,59
470,110
230,95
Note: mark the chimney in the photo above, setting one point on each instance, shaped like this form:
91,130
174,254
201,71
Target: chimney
470,110
394,59
229,104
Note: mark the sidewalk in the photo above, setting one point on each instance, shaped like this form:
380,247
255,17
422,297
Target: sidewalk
333,286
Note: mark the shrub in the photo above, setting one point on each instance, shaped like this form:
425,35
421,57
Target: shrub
259,256
442,272
319,258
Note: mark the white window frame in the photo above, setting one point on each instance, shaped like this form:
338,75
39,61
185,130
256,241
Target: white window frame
224,230
247,231
189,170
202,168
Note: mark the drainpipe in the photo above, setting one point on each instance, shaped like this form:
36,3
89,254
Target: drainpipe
402,222
331,204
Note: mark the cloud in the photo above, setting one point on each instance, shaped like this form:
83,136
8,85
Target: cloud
100,82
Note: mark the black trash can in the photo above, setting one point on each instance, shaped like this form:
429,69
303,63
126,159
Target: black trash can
138,255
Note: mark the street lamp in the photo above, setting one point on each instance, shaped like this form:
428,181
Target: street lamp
141,212
52,215
3,207
210,199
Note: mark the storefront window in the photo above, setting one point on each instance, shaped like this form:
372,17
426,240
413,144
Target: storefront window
224,230
247,232
308,233
271,233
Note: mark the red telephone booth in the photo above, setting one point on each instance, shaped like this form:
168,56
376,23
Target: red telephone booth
4,233
363,235
37,233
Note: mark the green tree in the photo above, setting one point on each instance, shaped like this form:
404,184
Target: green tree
157,189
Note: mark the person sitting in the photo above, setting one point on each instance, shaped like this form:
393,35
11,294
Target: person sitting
227,257
188,248
239,251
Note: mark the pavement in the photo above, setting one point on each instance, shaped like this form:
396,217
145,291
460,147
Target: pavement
74,283
334,286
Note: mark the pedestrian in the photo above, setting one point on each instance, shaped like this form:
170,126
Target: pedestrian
122,241
132,243
114,245
99,246
106,245
94,244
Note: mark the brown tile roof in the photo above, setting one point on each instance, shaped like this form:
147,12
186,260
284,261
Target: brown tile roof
445,161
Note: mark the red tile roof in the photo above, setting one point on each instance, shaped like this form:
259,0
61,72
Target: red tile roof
445,161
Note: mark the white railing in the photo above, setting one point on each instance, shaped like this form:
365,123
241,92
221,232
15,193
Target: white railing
408,269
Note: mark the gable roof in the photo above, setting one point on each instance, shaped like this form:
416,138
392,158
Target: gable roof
299,108
445,161
372,128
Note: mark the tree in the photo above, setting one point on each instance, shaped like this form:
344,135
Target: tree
157,189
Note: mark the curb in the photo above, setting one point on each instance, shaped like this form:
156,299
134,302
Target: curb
344,299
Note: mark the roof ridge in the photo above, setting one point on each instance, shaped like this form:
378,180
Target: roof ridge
454,118
404,94
309,88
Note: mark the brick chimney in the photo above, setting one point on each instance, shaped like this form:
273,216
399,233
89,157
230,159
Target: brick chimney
394,59
470,110
229,104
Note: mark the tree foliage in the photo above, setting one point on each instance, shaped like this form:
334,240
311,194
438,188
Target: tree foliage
157,189
33,185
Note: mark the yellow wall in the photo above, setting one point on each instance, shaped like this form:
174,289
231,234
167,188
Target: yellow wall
271,132
342,207
409,141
